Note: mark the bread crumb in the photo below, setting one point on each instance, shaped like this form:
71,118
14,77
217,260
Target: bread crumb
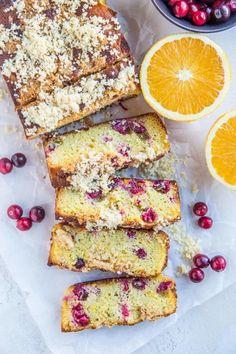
182,269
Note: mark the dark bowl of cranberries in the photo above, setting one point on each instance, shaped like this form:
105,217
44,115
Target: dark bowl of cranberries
205,16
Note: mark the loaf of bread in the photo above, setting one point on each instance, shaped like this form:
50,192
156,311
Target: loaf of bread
86,156
71,103
139,253
48,44
128,203
122,301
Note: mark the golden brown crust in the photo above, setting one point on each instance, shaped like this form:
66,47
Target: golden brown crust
60,178
155,316
53,259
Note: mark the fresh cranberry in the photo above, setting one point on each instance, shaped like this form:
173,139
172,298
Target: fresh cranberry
94,194
37,214
5,166
80,292
201,260
218,263
121,126
15,212
149,216
137,186
193,8
164,286
218,3
199,18
221,14
205,222
209,13
200,209
131,233
24,224
79,263
141,253
162,186
232,5
137,127
180,8
171,3
139,283
125,310
196,275
18,159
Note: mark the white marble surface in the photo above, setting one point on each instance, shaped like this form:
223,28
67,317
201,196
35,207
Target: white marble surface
209,329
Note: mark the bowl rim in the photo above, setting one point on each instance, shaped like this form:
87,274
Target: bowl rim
192,28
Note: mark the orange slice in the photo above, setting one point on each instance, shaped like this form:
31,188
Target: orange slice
221,150
185,76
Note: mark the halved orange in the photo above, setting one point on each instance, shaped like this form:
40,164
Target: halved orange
185,76
221,150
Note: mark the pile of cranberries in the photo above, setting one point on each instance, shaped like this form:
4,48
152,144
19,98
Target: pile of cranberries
17,160
36,214
199,12
200,209
217,263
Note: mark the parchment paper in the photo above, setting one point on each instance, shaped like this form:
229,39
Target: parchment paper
25,254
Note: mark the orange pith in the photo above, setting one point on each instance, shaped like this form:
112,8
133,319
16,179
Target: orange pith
194,92
223,151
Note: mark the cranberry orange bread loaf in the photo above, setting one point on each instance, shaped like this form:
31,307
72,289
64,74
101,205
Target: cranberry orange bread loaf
128,203
87,96
135,252
86,158
121,301
46,44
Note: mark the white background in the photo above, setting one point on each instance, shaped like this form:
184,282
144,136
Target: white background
209,329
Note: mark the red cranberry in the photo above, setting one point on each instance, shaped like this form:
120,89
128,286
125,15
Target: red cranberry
180,8
84,320
232,5
79,263
24,224
80,292
221,14
131,233
193,8
94,194
149,216
139,283
125,310
137,127
5,166
37,214
218,3
205,222
125,284
141,253
164,286
15,212
171,3
18,159
200,209
196,275
209,13
121,126
79,316
137,186
199,18
162,186
218,263
201,261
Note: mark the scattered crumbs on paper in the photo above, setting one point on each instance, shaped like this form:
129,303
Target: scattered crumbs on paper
194,188
10,129
182,269
187,247
163,168
38,146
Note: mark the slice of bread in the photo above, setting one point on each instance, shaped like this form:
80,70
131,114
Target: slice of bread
89,95
114,145
51,44
139,253
121,301
128,203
